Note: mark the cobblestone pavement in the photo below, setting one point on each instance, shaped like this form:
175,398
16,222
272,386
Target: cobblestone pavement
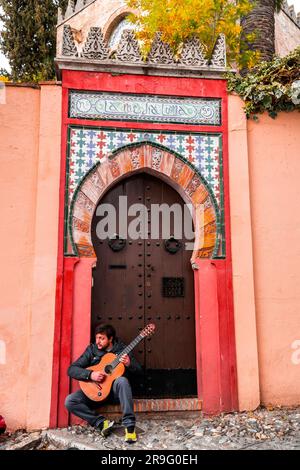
261,429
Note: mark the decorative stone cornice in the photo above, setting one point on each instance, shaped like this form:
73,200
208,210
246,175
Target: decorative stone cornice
193,53
128,49
113,67
96,56
69,48
160,52
218,58
95,47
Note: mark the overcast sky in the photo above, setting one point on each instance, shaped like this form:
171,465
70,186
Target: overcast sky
4,62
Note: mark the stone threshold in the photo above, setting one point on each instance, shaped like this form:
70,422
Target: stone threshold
158,405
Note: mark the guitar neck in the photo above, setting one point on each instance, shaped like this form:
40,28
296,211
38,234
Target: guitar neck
128,349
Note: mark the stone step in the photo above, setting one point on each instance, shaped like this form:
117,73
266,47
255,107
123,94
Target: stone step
159,405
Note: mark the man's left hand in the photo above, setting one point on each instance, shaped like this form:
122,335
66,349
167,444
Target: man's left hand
125,359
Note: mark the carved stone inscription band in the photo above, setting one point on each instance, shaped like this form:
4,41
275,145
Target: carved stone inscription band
145,108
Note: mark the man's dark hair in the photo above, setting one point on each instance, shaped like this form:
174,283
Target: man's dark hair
108,330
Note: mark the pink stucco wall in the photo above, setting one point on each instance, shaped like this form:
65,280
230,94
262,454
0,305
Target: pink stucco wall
30,164
242,258
265,199
274,168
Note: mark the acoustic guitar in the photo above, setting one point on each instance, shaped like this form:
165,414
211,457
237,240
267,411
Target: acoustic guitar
111,366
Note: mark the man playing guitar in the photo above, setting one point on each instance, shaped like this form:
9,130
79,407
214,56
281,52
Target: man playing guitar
80,405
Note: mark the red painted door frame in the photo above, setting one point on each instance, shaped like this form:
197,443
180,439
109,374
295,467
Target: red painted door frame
215,338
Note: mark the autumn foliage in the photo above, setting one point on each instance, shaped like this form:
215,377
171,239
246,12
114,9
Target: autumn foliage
178,20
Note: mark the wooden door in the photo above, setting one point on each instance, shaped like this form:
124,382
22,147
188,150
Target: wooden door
148,280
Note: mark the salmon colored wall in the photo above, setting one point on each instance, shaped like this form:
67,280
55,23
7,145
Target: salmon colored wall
274,166
19,124
265,220
242,257
30,161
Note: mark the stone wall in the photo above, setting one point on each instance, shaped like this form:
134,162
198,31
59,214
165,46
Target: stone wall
287,33
105,14
98,13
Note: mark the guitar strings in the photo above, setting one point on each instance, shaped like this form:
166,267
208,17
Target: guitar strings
127,350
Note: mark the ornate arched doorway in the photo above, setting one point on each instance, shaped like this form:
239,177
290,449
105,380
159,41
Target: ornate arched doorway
214,343
122,117
146,277
144,282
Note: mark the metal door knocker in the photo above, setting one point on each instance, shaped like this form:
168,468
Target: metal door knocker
116,243
172,245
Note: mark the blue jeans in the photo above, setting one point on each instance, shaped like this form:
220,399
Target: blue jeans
80,405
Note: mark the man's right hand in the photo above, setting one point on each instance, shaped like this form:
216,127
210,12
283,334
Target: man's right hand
97,377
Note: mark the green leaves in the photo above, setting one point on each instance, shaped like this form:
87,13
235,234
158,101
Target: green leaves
272,86
29,36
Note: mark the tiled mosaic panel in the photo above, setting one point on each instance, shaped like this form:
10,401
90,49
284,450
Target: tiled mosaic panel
89,146
145,108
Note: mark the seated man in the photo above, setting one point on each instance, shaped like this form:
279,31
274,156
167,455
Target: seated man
80,405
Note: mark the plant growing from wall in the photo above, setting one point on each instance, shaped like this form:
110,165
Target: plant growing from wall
272,86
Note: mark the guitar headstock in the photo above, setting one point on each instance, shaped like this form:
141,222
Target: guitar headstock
148,330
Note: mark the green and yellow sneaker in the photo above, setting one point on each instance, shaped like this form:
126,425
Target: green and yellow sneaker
130,435
106,427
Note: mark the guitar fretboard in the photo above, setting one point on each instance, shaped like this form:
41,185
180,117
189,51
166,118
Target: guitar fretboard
127,350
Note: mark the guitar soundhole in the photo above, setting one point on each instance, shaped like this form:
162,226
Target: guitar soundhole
108,369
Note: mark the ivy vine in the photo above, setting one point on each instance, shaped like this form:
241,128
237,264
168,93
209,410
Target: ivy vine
272,86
